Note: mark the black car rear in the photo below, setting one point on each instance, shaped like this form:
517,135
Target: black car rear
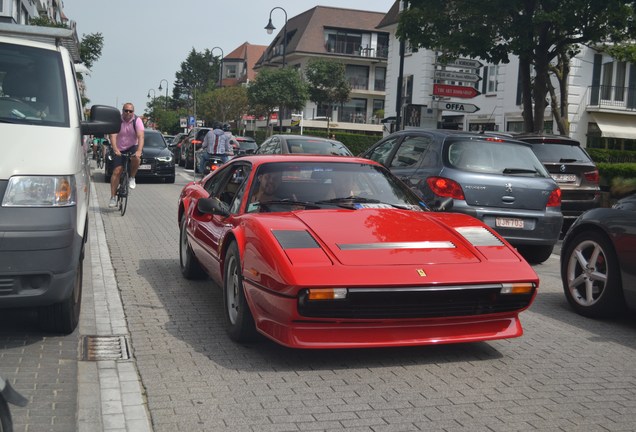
573,170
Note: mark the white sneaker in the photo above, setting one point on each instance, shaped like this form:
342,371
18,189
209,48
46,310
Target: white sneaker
132,183
113,202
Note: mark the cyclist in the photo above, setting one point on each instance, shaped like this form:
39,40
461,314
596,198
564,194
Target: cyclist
130,140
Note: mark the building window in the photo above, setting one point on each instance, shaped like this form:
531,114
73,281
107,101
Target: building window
407,90
358,76
230,71
606,87
379,84
354,111
341,42
493,70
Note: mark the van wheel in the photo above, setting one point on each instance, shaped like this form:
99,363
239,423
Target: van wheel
63,317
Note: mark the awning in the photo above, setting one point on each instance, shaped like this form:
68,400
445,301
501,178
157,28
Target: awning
615,125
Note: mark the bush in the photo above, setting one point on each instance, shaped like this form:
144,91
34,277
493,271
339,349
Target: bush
612,156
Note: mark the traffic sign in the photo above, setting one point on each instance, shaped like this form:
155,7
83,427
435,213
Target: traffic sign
457,106
455,91
463,63
456,76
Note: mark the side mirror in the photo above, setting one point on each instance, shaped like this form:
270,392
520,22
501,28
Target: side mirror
213,206
103,120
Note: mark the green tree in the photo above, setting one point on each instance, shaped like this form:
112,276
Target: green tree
225,104
540,32
327,83
199,73
277,88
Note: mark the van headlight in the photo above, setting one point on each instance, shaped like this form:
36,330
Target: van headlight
40,191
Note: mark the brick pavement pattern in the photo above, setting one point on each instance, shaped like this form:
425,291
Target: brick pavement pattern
566,373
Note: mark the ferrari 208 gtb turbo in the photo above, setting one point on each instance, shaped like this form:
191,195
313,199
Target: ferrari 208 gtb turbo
336,252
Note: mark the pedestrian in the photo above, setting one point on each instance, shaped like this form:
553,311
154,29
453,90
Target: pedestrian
215,144
129,140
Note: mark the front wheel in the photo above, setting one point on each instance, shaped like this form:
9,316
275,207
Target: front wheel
239,319
591,276
190,267
63,317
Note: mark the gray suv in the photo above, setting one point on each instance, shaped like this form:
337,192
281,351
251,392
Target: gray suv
493,178
572,168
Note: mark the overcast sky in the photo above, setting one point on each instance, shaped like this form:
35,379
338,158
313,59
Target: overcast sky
146,41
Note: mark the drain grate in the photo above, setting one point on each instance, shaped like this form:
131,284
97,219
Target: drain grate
95,348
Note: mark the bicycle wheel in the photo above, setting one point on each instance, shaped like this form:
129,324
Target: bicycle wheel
122,192
100,161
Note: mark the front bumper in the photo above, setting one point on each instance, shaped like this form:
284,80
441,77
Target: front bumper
39,254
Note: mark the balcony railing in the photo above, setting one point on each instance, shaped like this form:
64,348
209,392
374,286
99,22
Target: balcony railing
612,97
355,49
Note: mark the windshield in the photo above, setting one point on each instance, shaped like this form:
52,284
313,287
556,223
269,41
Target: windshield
154,140
494,157
331,184
33,88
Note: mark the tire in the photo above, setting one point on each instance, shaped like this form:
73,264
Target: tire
63,317
122,193
536,254
190,267
591,276
238,317
6,425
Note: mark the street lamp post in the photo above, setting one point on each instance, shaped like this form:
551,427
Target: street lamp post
166,91
221,66
152,101
270,29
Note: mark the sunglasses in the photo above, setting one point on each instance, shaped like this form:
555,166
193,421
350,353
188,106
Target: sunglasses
129,111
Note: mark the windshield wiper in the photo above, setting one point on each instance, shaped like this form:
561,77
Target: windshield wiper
348,202
305,204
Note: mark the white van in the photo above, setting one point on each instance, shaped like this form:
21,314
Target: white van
44,173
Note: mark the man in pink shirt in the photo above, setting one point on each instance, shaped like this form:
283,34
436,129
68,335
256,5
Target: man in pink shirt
129,140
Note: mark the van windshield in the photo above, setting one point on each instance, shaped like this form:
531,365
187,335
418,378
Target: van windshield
33,89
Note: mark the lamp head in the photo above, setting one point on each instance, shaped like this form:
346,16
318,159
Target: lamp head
270,27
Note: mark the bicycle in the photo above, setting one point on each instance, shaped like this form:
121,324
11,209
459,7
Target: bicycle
100,157
123,189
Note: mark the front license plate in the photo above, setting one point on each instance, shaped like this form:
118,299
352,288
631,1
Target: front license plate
509,222
564,178
145,167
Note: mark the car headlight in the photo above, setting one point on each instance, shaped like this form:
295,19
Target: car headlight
40,191
164,158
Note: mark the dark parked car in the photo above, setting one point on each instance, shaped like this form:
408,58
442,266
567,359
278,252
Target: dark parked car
573,170
244,145
597,261
302,144
191,144
157,161
175,146
494,178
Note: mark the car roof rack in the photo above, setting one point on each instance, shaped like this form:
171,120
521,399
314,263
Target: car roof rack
66,37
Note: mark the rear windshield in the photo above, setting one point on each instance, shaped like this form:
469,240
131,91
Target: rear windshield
494,157
33,86
312,146
560,153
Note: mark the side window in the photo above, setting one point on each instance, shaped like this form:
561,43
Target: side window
265,148
381,152
411,151
231,192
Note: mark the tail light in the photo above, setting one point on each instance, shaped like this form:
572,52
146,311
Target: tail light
196,142
445,187
592,176
554,200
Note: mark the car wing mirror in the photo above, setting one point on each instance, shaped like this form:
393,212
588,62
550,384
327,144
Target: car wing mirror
213,205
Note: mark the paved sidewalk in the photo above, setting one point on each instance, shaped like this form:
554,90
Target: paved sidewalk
110,396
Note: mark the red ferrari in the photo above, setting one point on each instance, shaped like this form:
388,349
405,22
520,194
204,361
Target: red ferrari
336,252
